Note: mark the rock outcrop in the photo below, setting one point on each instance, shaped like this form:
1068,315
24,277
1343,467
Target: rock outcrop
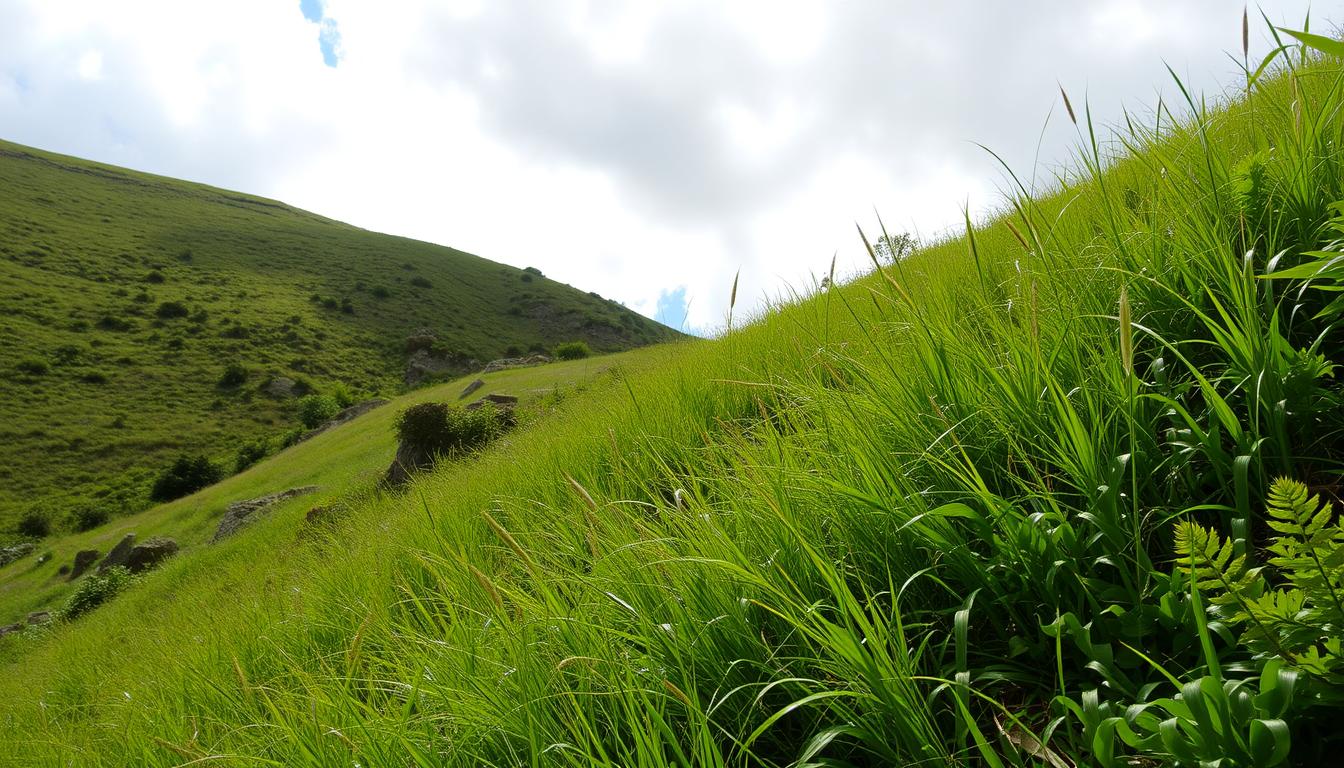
10,554
150,554
119,553
472,387
84,560
241,513
515,362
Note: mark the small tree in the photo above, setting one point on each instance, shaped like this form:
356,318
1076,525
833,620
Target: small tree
893,248
316,410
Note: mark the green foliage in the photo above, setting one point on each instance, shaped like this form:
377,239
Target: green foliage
95,589
86,517
420,281
342,394
169,310
35,524
33,366
235,375
251,453
186,475
447,431
1293,612
572,350
316,410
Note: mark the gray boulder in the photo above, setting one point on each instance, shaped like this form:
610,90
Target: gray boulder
281,387
472,387
240,513
38,617
84,560
118,554
10,554
150,554
10,629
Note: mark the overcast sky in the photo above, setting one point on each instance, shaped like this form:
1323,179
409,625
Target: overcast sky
646,151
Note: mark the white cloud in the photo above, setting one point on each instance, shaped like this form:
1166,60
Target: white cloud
627,148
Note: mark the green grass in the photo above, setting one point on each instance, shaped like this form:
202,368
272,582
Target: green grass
101,386
927,518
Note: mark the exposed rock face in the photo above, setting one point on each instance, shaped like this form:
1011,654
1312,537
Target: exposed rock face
38,617
423,365
409,460
84,560
472,387
119,553
10,629
10,554
150,554
515,362
281,387
240,513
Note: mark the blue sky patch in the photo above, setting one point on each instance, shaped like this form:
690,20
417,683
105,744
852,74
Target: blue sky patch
328,36
672,309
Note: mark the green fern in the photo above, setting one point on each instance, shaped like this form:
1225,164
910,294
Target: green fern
1294,612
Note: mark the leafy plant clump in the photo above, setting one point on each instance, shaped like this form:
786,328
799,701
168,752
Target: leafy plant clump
187,475
35,525
573,350
447,431
316,410
96,589
235,375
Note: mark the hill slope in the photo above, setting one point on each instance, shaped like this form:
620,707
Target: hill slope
124,297
945,515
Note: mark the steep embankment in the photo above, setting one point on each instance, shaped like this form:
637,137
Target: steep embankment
124,298
929,518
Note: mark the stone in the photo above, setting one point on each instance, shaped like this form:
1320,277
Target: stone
281,387
10,629
499,401
118,554
505,363
84,560
38,617
150,554
472,387
10,554
240,513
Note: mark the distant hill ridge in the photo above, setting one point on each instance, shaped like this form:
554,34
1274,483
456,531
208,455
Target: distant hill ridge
125,297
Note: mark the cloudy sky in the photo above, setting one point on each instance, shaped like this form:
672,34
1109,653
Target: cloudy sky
647,151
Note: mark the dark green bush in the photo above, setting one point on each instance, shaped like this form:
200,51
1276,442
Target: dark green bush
380,292
421,282
35,525
573,350
154,277
533,271
33,366
447,431
187,475
330,303
250,454
235,374
316,410
87,517
93,377
96,589
110,323
169,310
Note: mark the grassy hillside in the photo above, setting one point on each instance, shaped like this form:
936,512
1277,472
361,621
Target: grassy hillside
124,297
1011,501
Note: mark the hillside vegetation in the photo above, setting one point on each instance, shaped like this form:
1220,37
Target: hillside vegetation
1042,495
126,298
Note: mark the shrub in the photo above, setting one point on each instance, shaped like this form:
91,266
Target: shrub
95,590
67,353
32,366
169,310
347,307
447,431
527,277
419,341
573,350
234,375
380,292
533,271
35,525
316,410
342,395
110,323
93,377
186,475
250,454
421,282
87,517
154,277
